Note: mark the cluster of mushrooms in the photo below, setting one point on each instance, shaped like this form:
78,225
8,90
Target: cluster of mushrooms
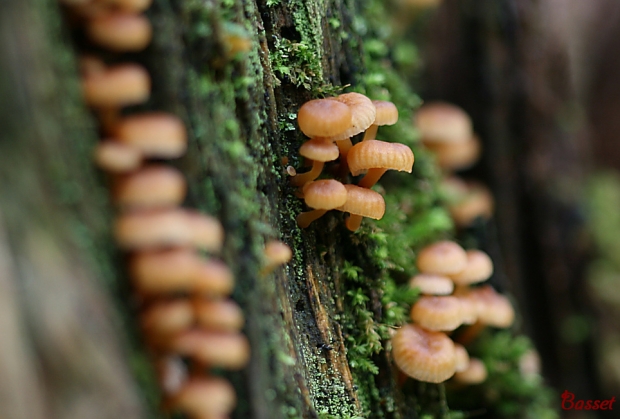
423,350
330,123
188,320
446,130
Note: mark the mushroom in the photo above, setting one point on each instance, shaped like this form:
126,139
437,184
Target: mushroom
110,89
475,373
387,114
467,200
205,397
221,349
430,284
378,157
440,122
363,114
179,270
219,315
494,309
120,32
169,227
362,202
458,155
462,357
437,313
164,319
155,134
152,186
275,254
424,355
479,268
323,118
322,195
442,258
116,157
319,151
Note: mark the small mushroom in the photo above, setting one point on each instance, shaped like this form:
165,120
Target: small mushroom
455,156
220,349
116,157
424,355
362,202
467,200
322,196
323,118
155,134
442,258
179,270
219,315
462,357
120,32
275,254
150,187
169,227
378,157
318,151
479,268
494,309
440,122
437,313
387,114
430,284
165,319
475,373
363,114
205,397
109,89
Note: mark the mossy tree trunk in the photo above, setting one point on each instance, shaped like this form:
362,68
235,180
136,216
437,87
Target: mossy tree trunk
62,329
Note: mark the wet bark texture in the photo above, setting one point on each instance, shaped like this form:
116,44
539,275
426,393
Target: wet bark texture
66,306
507,66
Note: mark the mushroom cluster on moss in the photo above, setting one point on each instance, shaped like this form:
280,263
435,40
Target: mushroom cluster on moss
183,287
330,123
446,273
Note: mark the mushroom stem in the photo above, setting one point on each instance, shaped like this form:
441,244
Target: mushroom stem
371,133
108,118
302,179
344,146
371,178
305,218
354,222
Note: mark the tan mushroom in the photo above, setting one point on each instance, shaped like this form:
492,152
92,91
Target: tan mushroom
322,195
362,202
378,157
387,114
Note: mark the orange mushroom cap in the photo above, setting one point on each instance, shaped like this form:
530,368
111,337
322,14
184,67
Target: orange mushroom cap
462,357
494,309
456,155
442,258
120,32
364,202
116,157
325,194
441,122
467,200
363,114
479,268
437,313
323,118
205,397
155,134
430,284
221,349
371,154
475,373
152,186
320,150
170,227
166,318
120,85
387,113
219,315
424,355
